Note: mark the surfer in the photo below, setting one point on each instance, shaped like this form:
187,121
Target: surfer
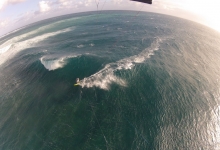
77,82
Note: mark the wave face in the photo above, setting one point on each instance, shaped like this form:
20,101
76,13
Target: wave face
105,77
146,81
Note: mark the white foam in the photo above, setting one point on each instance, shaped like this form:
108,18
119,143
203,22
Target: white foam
105,77
53,62
17,47
49,26
80,46
5,49
21,37
102,81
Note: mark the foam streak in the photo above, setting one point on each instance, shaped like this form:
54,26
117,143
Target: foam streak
11,50
105,77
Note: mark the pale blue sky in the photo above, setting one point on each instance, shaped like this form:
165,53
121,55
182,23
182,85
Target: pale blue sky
17,13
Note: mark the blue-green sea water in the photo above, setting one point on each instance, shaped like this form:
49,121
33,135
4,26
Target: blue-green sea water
147,82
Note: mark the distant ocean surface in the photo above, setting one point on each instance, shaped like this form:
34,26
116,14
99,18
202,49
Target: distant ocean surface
147,82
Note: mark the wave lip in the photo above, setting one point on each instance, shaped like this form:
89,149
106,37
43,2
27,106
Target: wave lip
53,63
105,76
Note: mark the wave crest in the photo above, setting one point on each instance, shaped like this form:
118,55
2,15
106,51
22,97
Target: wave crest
105,77
17,47
52,64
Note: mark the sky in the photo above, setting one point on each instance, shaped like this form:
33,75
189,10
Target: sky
15,14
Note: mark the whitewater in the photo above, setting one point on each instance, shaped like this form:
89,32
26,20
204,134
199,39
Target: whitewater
147,81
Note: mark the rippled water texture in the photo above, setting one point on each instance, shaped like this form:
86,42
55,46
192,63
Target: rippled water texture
146,82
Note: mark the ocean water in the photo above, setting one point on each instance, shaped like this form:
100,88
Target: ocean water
147,81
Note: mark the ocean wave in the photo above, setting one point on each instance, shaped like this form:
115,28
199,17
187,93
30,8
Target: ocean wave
105,77
53,63
17,47
43,28
12,31
21,37
80,46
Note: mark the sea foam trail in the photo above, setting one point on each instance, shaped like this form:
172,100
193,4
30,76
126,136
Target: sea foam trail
40,29
22,36
106,76
11,50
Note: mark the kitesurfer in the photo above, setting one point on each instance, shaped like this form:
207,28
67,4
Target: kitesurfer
77,82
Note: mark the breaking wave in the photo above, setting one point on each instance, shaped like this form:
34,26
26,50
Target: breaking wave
53,63
80,46
40,29
106,76
9,51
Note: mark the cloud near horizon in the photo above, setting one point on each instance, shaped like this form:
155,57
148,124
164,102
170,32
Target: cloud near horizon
53,6
207,11
5,3
44,6
3,23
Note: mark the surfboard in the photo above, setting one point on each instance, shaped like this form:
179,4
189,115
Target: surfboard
76,84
